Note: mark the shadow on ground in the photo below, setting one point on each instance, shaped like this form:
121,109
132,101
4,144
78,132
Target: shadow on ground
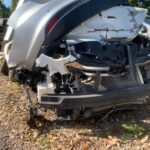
126,125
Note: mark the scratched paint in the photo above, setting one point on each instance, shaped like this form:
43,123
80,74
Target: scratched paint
117,23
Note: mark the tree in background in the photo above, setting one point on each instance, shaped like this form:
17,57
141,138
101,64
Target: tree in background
141,3
146,4
4,11
13,5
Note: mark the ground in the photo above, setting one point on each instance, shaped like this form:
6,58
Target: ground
122,130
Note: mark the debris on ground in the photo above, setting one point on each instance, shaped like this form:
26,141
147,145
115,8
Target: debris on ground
122,130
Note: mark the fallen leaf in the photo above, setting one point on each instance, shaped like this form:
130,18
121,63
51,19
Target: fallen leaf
111,143
143,140
113,138
110,137
85,146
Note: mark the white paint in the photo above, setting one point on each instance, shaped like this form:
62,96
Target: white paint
54,65
121,23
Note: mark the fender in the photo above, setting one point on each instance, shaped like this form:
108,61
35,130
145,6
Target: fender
31,20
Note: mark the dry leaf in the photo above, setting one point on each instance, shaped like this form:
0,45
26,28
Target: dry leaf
110,137
113,138
111,143
143,140
85,146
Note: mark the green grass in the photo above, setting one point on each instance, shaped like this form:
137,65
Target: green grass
135,130
1,62
31,138
47,144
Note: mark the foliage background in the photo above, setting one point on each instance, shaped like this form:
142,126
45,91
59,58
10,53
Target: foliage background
13,5
4,12
141,3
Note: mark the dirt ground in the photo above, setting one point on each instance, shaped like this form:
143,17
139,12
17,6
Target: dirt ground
122,130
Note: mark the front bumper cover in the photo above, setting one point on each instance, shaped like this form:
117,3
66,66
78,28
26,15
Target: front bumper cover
132,95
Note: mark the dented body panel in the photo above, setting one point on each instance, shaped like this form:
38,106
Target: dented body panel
117,23
81,56
31,19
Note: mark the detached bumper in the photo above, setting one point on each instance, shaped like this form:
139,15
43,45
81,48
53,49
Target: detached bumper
132,95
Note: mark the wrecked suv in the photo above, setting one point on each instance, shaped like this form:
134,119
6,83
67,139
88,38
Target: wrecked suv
80,56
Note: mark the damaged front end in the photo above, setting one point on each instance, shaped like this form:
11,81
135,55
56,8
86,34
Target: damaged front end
80,56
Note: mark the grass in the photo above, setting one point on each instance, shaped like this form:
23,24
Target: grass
134,130
129,127
31,138
47,144
1,62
